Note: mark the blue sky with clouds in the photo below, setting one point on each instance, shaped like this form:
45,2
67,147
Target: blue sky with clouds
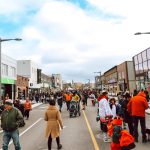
74,37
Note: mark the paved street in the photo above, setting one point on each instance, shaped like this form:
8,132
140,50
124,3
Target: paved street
75,135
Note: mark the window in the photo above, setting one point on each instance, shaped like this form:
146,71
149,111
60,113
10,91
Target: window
123,75
144,56
149,64
4,70
135,60
148,53
145,66
140,58
141,68
119,75
137,69
12,72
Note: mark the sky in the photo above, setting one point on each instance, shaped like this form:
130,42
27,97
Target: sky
75,37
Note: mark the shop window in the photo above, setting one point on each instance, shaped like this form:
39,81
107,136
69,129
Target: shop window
4,70
149,64
148,53
119,75
144,56
135,60
140,58
141,68
137,69
145,66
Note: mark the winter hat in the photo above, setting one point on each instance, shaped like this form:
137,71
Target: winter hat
9,102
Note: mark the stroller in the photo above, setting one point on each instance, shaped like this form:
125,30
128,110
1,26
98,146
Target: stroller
74,109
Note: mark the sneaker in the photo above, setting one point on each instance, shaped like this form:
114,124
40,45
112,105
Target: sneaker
60,146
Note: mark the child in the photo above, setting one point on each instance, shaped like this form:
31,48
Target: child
112,103
121,139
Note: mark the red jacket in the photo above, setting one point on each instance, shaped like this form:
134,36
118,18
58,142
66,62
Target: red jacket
27,106
138,104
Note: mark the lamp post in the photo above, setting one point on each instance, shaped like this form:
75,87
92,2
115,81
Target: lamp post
100,78
4,40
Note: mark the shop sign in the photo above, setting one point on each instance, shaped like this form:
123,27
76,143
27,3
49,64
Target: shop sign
7,81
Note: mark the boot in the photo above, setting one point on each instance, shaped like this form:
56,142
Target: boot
60,146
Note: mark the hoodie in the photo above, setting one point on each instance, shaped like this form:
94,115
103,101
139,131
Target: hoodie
137,105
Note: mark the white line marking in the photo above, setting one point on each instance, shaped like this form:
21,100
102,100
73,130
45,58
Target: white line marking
26,130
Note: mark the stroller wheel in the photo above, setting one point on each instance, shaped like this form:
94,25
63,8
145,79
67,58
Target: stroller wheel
70,115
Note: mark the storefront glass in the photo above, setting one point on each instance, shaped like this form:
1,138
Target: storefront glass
140,58
148,64
137,69
135,60
144,55
141,68
148,53
145,66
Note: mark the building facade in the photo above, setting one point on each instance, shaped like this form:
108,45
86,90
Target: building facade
9,76
57,81
142,69
111,80
45,83
126,77
29,69
22,87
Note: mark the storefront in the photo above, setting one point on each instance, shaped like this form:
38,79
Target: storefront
8,73
142,69
111,78
22,86
8,87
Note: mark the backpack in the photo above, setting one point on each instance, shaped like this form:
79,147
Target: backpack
116,134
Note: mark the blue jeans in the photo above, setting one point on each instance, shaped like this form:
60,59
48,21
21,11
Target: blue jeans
7,137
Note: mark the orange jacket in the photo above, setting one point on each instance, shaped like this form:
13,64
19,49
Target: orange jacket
110,126
68,97
137,105
27,106
126,138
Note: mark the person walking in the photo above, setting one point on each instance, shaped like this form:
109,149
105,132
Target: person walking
54,122
136,107
68,97
104,111
59,98
10,120
126,115
27,108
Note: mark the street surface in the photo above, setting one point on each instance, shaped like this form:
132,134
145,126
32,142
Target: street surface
74,136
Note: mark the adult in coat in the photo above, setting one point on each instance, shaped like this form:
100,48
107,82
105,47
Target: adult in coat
136,107
54,122
104,111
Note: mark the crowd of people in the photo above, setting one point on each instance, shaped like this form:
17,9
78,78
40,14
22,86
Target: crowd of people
118,117
130,110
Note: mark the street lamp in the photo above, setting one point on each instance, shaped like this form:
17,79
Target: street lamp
139,33
4,40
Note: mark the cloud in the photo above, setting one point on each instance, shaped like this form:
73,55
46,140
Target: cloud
75,39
